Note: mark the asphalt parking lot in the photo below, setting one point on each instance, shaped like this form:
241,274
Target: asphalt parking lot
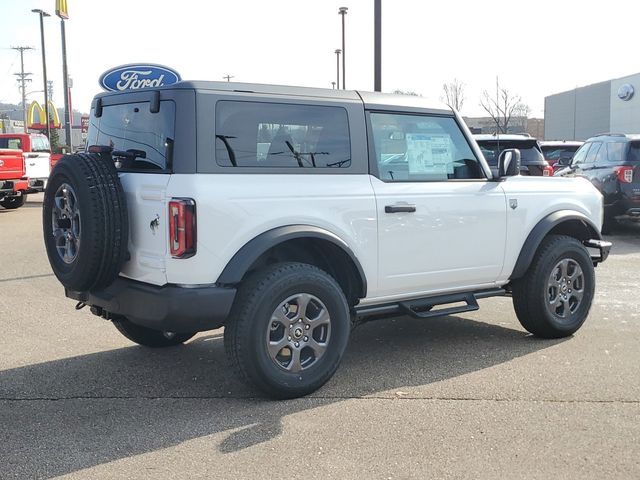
470,396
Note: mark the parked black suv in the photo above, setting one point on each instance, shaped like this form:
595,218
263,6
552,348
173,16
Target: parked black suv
531,157
612,163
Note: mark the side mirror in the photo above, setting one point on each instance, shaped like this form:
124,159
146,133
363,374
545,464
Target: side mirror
509,163
564,161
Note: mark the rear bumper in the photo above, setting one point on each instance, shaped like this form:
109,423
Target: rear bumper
6,187
36,185
171,308
13,187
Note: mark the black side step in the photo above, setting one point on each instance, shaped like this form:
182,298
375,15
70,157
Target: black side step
423,308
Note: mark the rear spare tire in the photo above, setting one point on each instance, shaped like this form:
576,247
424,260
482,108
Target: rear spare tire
85,222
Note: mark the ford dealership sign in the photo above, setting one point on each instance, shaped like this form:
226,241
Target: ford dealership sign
137,76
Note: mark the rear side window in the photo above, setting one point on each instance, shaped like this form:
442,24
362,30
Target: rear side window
634,152
132,126
256,134
615,151
12,143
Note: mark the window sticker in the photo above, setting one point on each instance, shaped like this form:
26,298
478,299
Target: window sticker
429,154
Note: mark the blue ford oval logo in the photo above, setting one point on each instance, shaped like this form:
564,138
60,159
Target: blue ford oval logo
136,76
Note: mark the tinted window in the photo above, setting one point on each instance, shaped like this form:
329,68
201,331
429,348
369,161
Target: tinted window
593,151
601,156
255,134
421,148
12,143
615,151
133,126
634,152
529,153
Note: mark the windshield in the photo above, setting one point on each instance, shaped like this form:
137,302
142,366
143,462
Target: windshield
555,153
40,144
133,127
529,152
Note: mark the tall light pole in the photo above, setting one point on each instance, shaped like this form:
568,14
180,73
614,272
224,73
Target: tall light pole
43,14
377,46
343,11
338,52
63,14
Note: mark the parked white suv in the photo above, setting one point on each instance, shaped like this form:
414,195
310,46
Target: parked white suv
288,214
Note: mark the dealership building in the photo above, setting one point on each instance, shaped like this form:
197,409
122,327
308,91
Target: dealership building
611,106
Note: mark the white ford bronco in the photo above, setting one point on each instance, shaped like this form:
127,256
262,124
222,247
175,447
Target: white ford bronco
288,214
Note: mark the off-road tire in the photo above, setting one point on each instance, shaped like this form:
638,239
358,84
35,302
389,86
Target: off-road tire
531,292
11,203
251,315
148,337
104,224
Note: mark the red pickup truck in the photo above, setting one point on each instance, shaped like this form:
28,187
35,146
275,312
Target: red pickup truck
37,156
14,184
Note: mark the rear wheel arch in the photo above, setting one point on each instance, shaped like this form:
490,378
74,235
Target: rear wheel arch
564,222
304,244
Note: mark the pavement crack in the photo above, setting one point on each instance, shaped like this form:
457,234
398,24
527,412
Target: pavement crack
321,398
28,277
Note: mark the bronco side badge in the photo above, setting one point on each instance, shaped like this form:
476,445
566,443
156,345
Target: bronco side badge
155,223
513,203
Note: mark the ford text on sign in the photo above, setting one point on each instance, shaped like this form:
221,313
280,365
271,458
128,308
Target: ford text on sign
138,76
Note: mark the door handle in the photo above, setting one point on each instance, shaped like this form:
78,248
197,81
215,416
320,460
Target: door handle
32,164
400,208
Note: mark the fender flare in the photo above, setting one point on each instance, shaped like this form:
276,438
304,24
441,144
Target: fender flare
252,250
542,228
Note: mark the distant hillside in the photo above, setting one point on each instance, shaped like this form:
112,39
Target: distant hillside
14,112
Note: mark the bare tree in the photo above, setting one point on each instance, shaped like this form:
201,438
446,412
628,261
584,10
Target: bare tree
501,108
453,94
521,115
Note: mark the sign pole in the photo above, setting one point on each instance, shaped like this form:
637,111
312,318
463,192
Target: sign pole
63,12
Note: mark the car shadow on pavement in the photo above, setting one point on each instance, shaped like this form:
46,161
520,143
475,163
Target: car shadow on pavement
66,415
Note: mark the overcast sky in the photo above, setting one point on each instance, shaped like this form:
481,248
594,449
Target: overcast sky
535,48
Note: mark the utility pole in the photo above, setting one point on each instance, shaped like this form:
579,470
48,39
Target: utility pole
23,78
228,77
63,13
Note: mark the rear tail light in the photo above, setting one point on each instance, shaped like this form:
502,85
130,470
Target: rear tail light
547,171
182,227
624,174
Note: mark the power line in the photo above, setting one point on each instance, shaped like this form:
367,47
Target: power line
23,78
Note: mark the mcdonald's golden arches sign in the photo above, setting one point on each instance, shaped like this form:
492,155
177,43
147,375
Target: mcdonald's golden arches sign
37,110
62,9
